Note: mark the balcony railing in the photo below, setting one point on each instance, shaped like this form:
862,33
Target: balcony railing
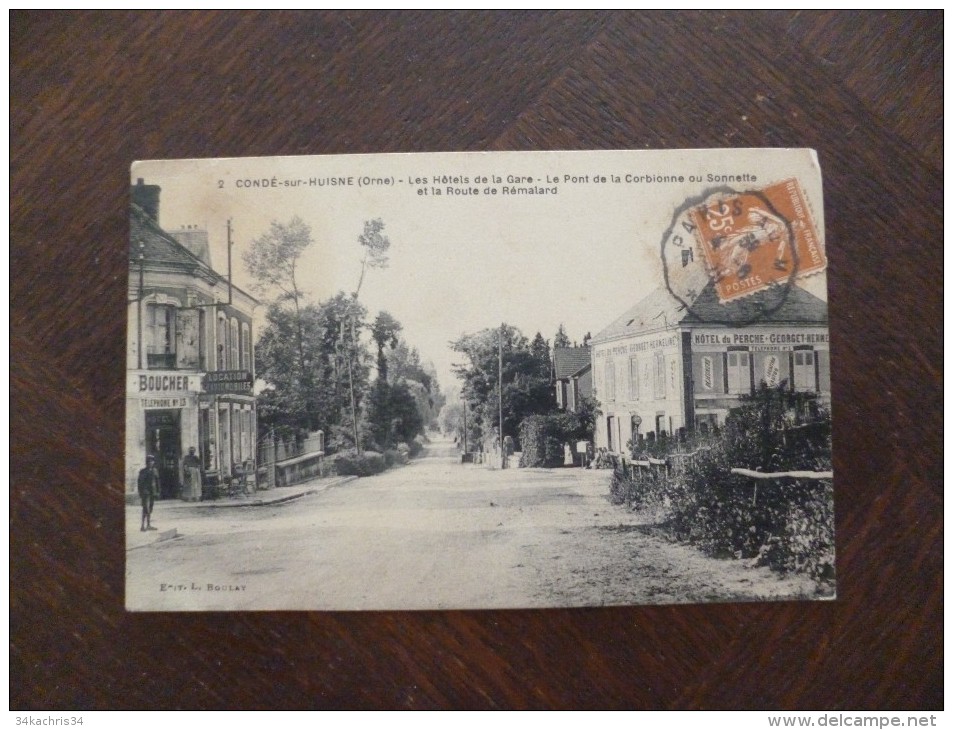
163,361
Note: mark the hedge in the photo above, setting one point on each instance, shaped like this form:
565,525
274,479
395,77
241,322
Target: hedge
786,524
348,463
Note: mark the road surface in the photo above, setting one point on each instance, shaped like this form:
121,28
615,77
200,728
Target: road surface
436,534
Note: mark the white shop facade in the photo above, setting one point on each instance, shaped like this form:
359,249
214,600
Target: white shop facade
190,358
660,369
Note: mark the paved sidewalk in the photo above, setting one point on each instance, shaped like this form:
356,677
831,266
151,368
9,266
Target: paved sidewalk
165,512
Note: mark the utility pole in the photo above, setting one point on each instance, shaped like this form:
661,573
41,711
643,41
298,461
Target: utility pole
142,275
465,449
502,449
228,232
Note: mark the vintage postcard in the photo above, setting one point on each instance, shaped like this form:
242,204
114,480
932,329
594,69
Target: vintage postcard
478,380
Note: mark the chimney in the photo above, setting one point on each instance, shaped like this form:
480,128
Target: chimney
147,198
195,239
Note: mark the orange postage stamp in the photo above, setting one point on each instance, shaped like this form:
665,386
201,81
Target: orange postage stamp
757,239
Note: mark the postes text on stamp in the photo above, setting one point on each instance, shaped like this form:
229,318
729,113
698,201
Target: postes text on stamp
757,239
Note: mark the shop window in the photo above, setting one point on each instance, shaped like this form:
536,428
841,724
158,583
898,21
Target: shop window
804,370
236,436
205,438
160,337
706,423
224,447
633,379
610,381
246,435
739,372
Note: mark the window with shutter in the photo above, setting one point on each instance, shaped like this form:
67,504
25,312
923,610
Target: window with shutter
234,363
804,370
659,375
633,379
739,372
160,337
246,347
610,380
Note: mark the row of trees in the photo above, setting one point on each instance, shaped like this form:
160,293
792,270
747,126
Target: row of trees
524,368
315,357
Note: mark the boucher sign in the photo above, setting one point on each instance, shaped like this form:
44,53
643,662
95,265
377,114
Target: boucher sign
234,382
164,383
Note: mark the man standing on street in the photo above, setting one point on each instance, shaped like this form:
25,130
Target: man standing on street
148,491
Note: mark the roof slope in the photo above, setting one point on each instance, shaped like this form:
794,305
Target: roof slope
661,309
569,360
158,246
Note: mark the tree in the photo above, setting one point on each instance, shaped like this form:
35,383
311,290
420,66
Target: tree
320,399
404,366
540,349
526,383
384,331
273,261
451,419
561,339
282,349
392,414
374,245
344,319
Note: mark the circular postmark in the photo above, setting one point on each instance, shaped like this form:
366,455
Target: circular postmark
732,257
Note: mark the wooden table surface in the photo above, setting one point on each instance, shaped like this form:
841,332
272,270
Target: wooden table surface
90,92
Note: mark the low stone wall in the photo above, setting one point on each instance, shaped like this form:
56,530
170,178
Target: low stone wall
299,469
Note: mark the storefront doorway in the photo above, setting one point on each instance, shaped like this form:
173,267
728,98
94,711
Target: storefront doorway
164,442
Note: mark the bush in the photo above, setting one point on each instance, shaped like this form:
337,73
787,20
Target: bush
647,491
787,524
348,463
541,438
394,457
410,449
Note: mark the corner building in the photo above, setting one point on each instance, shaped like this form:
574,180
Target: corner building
190,358
662,367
